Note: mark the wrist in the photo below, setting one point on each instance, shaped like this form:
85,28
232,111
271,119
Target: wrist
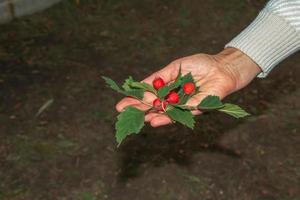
243,68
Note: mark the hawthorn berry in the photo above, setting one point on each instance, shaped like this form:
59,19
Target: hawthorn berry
158,83
156,102
160,106
173,98
188,88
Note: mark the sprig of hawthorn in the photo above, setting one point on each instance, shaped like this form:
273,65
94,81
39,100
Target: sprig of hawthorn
171,101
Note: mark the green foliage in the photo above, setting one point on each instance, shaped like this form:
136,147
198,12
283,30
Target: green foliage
177,81
234,110
184,117
87,196
112,84
127,84
187,78
130,121
143,85
179,75
163,92
184,79
137,93
130,84
210,103
183,98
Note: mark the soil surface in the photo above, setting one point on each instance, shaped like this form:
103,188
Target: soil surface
68,151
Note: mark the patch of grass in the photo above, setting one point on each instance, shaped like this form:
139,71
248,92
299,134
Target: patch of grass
166,194
194,184
87,196
27,150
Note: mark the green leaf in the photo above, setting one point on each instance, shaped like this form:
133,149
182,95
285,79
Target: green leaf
175,85
130,84
210,102
112,84
87,196
127,84
187,78
144,86
234,110
184,117
179,75
162,92
130,121
180,80
177,81
137,93
182,97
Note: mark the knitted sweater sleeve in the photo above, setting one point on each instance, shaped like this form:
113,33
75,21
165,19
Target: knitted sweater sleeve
272,36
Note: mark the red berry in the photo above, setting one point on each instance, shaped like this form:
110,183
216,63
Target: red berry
173,97
158,83
156,102
188,88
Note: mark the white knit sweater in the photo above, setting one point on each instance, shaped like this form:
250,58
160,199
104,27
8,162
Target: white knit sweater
272,36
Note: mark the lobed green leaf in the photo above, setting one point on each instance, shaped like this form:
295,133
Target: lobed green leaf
136,93
234,110
127,83
184,117
130,84
177,81
183,98
163,92
112,84
187,78
130,121
144,86
210,102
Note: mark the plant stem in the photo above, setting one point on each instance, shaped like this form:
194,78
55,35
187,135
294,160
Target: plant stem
187,107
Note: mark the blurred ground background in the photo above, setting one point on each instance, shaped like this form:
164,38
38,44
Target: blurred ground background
69,151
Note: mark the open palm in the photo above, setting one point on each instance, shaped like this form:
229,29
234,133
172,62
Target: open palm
211,75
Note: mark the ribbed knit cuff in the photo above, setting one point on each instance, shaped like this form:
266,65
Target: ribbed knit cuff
268,40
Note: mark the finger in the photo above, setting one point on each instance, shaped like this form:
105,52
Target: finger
131,102
140,106
150,116
160,120
194,100
127,101
149,97
196,112
168,73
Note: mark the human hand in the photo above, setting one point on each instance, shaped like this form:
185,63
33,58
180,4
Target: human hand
219,75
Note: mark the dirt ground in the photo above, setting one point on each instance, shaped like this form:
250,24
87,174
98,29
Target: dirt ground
69,151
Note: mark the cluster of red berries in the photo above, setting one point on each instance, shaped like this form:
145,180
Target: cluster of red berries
173,97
